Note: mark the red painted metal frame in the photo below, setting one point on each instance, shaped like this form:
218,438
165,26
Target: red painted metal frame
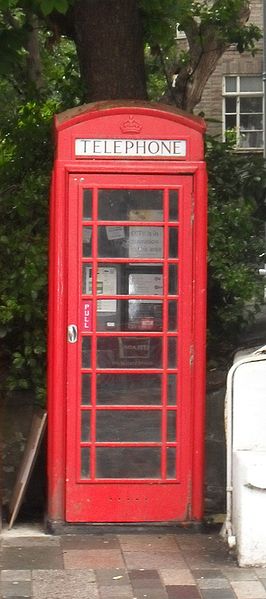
100,507
58,283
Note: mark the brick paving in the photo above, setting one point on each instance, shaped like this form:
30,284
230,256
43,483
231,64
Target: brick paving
124,566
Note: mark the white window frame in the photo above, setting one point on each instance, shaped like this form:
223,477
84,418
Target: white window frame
241,94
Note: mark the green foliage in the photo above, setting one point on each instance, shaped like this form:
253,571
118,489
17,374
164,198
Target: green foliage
236,183
161,16
12,39
47,6
237,210
26,155
23,237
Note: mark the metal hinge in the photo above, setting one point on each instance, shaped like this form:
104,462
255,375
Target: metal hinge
191,355
192,207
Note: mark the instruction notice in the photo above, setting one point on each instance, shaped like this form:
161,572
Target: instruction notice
145,242
106,285
145,284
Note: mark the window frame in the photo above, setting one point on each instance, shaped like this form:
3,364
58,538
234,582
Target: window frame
238,94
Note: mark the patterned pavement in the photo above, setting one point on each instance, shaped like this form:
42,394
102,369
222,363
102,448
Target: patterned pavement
124,566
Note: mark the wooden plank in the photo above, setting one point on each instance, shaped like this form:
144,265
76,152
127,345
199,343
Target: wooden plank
29,457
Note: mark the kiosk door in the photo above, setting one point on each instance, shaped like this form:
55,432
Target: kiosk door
129,441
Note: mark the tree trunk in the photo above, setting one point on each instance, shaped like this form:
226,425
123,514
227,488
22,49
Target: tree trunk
192,80
205,46
110,49
33,59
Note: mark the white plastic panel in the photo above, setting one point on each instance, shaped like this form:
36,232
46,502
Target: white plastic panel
249,500
249,406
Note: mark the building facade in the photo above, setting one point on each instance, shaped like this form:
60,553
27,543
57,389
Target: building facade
233,97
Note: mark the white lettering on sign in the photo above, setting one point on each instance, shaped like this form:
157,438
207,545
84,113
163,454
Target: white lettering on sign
131,147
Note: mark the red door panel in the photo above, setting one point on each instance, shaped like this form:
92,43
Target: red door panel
129,441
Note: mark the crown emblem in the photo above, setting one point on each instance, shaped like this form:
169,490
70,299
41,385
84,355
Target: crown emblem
131,125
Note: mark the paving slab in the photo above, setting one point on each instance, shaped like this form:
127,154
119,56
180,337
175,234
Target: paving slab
218,594
150,594
241,573
48,541
21,558
135,565
153,559
203,573
64,584
143,577
213,583
93,558
15,587
261,572
90,542
249,589
144,542
111,592
176,576
182,592
11,575
112,577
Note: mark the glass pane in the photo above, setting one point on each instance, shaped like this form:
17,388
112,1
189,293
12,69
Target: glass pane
250,105
86,242
85,389
173,279
173,204
171,425
144,315
145,242
128,462
141,282
251,121
85,462
106,285
230,84
132,242
129,389
128,426
87,204
251,139
173,242
230,122
113,241
130,204
131,315
172,316
172,352
171,389
86,279
230,104
85,425
124,279
171,462
129,352
251,84
86,352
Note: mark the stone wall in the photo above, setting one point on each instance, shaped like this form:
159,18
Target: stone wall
231,63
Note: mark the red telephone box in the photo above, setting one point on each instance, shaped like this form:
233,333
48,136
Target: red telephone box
127,315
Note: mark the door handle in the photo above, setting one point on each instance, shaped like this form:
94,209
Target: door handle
72,333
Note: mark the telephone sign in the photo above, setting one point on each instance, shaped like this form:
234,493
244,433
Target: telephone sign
130,147
127,316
